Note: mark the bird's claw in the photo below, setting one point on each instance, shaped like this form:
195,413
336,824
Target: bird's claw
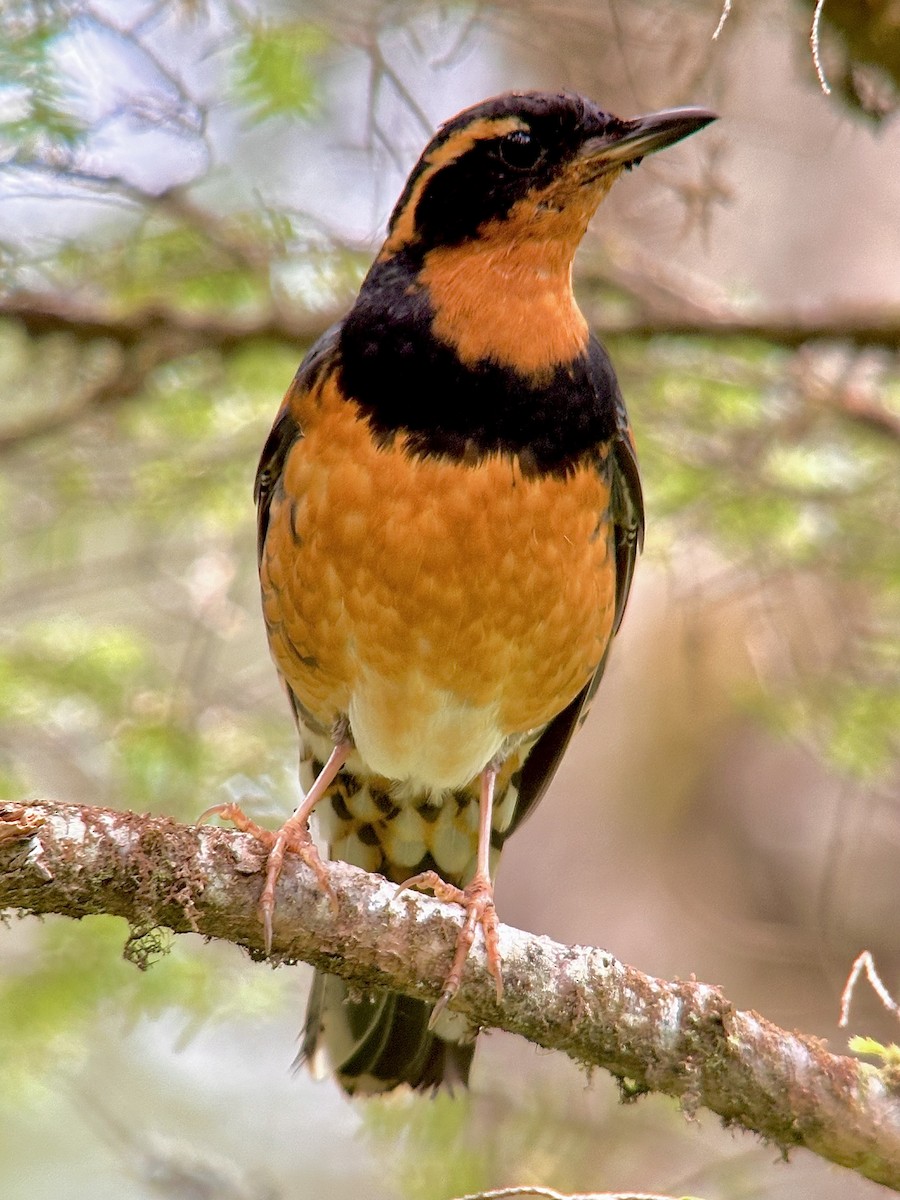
293,836
235,815
477,898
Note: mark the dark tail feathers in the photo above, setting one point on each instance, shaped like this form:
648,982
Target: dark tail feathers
379,1040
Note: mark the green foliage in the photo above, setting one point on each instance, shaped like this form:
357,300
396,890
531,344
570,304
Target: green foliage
167,264
35,115
275,73
731,455
74,972
66,658
889,1054
82,686
435,1149
126,691
862,722
556,1133
159,758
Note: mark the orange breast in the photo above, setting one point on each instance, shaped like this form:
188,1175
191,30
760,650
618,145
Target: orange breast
447,599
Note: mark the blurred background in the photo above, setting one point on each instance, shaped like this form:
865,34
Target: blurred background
189,192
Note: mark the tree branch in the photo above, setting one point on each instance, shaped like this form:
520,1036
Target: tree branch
122,383
683,1039
155,335
147,339
545,1193
44,314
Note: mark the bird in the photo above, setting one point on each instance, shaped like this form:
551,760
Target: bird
449,516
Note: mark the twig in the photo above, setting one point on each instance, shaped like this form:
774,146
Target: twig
865,962
814,44
545,1193
726,13
45,314
129,377
683,1039
813,39
156,335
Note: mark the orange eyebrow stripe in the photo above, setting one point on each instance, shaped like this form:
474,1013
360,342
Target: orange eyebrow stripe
403,230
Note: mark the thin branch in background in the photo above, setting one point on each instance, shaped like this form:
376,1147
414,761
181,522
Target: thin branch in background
545,1193
380,71
853,403
814,39
221,231
463,43
126,381
131,36
865,962
375,132
656,313
168,1166
150,95
387,142
814,44
726,12
700,195
847,389
623,44
156,335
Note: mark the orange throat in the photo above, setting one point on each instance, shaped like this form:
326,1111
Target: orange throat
507,301
507,296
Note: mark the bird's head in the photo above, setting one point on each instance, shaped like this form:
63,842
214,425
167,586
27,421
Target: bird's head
524,165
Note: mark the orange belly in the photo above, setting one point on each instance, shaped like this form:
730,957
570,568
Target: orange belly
445,607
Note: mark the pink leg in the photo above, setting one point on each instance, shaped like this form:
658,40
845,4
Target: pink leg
294,835
477,898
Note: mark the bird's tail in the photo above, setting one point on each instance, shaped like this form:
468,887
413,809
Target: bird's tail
375,1041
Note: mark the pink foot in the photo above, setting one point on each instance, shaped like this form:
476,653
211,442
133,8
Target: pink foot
477,898
293,836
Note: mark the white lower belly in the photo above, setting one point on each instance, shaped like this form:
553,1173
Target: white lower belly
422,735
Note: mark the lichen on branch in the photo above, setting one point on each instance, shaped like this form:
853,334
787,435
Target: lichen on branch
683,1039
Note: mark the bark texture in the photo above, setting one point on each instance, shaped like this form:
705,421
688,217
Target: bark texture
680,1038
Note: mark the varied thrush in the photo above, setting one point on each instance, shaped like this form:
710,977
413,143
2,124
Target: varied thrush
449,516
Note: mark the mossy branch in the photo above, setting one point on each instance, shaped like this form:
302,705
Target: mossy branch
683,1039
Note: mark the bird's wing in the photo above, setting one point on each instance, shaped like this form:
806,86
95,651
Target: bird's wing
627,515
286,431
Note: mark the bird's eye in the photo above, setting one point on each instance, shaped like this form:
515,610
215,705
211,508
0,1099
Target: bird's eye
520,150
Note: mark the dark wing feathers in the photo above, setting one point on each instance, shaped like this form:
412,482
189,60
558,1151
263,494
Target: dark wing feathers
627,514
286,431
283,435
628,517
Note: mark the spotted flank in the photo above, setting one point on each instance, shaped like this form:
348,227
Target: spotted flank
399,832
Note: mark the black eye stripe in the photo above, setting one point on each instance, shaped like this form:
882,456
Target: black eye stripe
520,150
